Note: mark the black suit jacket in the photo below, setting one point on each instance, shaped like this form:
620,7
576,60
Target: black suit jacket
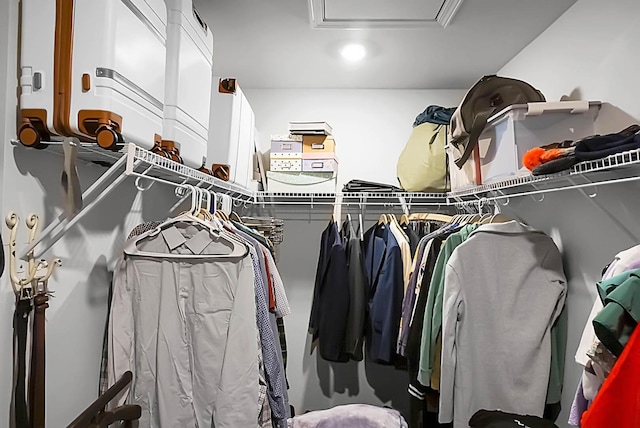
330,307
354,334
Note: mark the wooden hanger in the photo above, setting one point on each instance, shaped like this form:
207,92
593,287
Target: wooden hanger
500,218
234,216
95,416
383,219
404,220
431,216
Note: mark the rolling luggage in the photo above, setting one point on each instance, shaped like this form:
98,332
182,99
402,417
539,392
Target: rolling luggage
232,132
93,70
188,82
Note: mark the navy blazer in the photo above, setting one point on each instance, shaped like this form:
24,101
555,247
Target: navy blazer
384,270
330,307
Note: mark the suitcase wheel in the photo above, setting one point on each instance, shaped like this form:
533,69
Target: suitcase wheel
30,137
108,138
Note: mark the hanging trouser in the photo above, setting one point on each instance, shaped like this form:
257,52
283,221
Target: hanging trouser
37,379
20,327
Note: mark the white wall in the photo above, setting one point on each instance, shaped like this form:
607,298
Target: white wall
371,127
588,53
76,316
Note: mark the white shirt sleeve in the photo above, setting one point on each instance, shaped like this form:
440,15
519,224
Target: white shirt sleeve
120,332
452,307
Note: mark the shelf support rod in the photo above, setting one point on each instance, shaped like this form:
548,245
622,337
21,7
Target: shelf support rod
52,233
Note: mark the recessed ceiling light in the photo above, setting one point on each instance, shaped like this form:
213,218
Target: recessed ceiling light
353,52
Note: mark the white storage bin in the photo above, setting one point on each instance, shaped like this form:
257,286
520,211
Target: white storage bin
301,182
517,129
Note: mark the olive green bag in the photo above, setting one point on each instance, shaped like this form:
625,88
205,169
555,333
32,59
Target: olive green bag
422,165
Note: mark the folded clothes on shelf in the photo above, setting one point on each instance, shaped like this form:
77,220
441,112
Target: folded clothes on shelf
557,157
368,186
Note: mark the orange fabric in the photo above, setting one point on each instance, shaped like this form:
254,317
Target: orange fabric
618,401
272,294
531,159
551,154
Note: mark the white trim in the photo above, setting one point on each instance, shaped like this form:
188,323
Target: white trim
318,19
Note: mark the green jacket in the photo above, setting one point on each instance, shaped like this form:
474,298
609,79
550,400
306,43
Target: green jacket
432,322
615,323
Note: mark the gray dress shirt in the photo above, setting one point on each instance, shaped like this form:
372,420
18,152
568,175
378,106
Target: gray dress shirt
186,328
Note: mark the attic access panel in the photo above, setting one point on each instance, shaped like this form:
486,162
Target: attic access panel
382,13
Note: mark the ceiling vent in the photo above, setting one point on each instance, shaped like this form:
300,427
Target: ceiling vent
360,14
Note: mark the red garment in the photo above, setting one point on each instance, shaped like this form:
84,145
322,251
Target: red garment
617,404
272,294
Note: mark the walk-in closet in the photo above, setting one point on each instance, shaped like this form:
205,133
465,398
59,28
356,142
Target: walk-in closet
319,213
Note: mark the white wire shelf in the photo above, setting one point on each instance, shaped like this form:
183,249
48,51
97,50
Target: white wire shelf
348,198
592,173
145,165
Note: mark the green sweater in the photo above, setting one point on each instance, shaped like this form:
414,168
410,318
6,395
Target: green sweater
432,322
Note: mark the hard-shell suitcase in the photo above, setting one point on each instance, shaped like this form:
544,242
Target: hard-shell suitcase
93,70
232,131
188,82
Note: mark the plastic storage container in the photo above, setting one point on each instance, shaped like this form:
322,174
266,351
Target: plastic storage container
513,131
301,182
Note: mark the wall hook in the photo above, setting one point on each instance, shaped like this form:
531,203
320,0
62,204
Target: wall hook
23,288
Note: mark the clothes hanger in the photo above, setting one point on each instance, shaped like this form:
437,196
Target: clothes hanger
238,248
485,218
234,216
383,219
404,220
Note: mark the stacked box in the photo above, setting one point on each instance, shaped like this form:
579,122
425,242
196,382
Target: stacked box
303,163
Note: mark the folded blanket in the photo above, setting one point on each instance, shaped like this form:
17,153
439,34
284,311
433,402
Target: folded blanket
350,416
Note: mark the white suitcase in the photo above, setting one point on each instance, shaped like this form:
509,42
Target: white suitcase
188,84
232,132
94,70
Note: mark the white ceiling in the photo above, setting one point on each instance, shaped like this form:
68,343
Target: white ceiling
271,43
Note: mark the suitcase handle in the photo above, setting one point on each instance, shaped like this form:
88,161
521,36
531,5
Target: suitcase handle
317,146
317,164
199,19
285,146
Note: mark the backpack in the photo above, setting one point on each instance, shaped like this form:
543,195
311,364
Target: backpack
422,165
486,98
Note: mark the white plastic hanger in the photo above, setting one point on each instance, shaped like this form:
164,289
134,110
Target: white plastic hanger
238,248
